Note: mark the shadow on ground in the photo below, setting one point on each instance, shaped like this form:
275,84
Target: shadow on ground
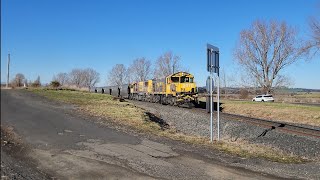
202,105
158,120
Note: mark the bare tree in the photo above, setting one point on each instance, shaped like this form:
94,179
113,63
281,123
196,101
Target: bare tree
167,64
79,77
36,83
265,49
62,78
312,46
90,77
140,69
18,80
118,75
223,81
76,77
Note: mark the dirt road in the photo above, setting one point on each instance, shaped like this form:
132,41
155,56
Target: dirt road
65,145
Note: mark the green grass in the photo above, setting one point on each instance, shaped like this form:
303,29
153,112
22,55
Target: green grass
73,97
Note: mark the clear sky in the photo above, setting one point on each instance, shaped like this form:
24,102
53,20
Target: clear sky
46,37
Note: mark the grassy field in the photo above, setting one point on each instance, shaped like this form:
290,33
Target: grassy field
293,113
124,113
307,95
102,105
300,97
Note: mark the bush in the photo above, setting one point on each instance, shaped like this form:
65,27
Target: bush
54,84
35,84
244,94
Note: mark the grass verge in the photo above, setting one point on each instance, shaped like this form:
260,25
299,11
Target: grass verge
292,113
124,113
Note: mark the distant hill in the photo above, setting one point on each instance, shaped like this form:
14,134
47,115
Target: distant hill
236,90
303,90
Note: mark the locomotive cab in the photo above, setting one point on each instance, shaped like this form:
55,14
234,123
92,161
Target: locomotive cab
181,83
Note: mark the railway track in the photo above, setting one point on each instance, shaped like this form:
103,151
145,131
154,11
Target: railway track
275,125
271,125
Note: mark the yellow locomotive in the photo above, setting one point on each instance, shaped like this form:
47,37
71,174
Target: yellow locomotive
176,89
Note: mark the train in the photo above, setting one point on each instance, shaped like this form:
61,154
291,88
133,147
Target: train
176,89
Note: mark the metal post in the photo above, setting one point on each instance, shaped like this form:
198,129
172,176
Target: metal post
218,108
211,107
212,67
8,70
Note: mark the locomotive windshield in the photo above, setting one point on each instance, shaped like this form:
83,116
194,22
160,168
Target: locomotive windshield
175,79
185,79
182,79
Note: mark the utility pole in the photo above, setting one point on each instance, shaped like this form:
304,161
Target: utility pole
8,70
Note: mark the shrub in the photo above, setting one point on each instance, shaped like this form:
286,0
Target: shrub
54,84
244,94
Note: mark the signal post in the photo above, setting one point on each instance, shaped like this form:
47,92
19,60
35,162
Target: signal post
213,67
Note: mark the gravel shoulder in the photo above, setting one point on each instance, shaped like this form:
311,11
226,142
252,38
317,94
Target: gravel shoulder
15,163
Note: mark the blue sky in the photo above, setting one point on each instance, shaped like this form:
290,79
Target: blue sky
46,37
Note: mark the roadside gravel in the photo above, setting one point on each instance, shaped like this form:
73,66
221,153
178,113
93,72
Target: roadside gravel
13,168
15,162
197,122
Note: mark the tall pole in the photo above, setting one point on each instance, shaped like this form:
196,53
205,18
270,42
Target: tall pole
218,109
212,67
8,70
211,106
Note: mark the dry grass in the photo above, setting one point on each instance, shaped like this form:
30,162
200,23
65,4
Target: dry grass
3,87
240,148
308,95
301,97
102,105
292,113
313,98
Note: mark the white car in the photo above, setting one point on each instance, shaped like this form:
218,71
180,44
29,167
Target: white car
263,98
